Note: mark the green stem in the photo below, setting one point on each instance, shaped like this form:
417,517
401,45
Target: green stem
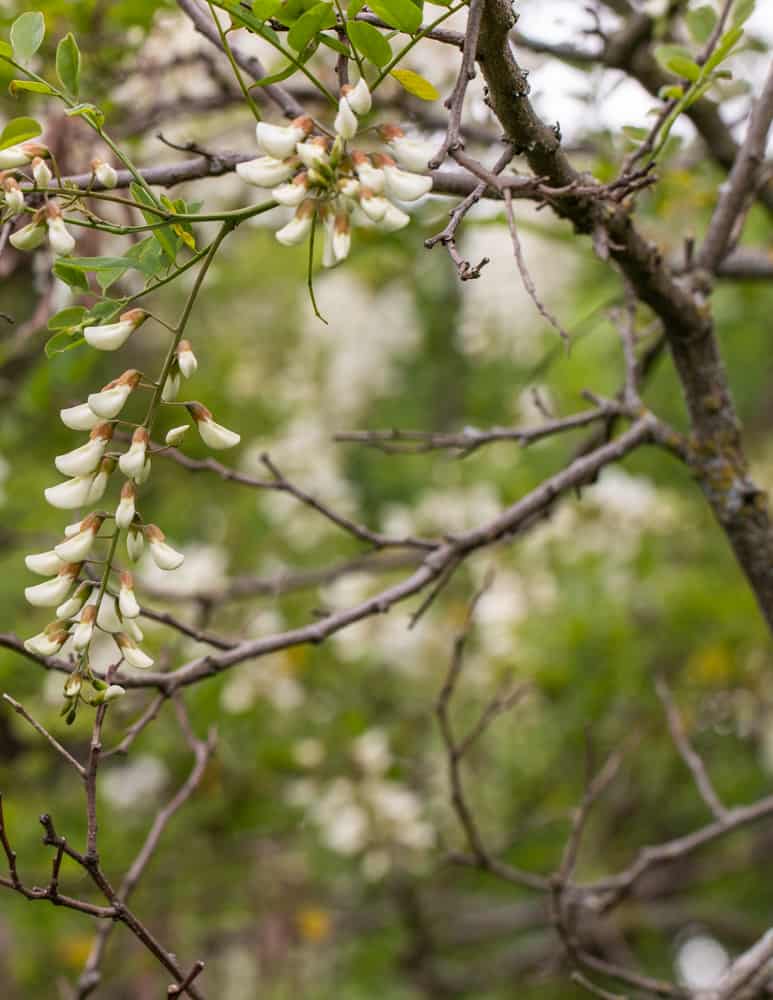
230,56
414,41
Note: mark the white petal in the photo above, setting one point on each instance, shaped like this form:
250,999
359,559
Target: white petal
394,219
61,240
290,194
113,692
109,402
265,172
107,618
278,141
164,556
50,593
13,156
413,154
70,494
296,230
359,97
374,207
135,544
127,603
98,487
132,461
345,122
81,461
29,237
132,629
76,549
312,153
124,512
371,177
44,563
171,388
175,434
42,644
406,186
79,418
109,337
187,362
217,436
82,634
106,175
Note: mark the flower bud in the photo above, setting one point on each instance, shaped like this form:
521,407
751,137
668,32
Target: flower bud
28,237
413,154
44,563
73,604
186,359
265,171
124,512
104,173
14,197
61,239
49,641
72,685
175,435
54,591
113,691
99,483
77,547
81,461
212,434
358,96
132,653
299,227
345,122
279,141
79,418
84,630
132,462
370,176
163,555
41,173
314,152
112,336
292,192
135,543
171,388
21,155
127,601
109,401
70,494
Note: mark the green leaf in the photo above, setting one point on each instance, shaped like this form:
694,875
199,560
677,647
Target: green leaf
415,84
635,132
321,16
163,234
68,64
19,130
370,42
62,341
264,9
335,45
742,11
31,86
27,33
678,61
354,8
701,22
291,10
72,316
671,92
723,49
401,14
90,112
71,276
5,50
276,77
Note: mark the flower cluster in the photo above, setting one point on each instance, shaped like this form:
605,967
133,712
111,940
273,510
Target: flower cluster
331,183
87,603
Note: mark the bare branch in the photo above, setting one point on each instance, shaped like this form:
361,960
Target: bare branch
22,711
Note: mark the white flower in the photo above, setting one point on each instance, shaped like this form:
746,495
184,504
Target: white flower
127,602
104,173
80,417
73,604
163,555
107,616
328,253
113,691
394,218
61,239
124,512
29,237
54,591
133,629
371,751
84,630
70,494
342,237
299,227
280,141
43,563
358,96
99,483
135,543
14,196
132,462
111,336
371,177
373,205
72,685
81,461
345,122
313,152
349,187
21,155
77,547
144,474
171,387
405,186
212,434
186,359
292,192
175,434
413,154
265,171
41,173
72,529
109,401
49,641
132,653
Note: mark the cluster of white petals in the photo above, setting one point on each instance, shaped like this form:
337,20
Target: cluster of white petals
331,184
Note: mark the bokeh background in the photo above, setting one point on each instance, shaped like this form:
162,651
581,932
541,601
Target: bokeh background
312,860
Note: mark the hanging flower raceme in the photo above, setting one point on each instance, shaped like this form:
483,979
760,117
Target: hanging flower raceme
163,555
111,336
109,401
327,182
13,196
54,591
49,641
77,546
212,433
60,238
104,173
